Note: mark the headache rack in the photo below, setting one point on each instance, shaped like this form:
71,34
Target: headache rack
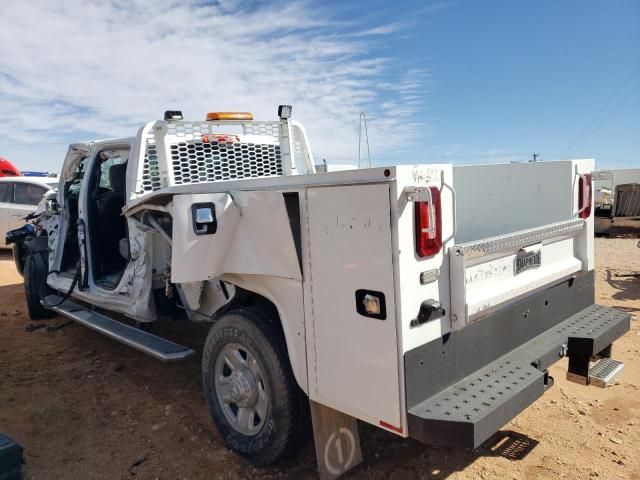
178,152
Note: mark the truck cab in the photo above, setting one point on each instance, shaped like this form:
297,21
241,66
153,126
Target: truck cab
91,199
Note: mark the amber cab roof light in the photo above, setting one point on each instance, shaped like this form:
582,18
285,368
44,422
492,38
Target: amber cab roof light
229,116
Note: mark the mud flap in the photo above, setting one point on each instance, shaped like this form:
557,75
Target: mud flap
336,439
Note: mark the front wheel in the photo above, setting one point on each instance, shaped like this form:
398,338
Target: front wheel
35,285
254,400
18,257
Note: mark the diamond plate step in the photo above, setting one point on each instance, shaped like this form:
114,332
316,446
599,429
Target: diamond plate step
604,372
157,347
473,409
469,411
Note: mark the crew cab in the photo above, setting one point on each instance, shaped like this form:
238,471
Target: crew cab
428,300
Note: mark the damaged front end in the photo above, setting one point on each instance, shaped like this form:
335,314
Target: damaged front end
20,238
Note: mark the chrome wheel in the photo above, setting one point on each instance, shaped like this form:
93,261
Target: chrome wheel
241,389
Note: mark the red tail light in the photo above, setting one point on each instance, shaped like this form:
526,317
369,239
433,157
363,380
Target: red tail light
428,240
585,193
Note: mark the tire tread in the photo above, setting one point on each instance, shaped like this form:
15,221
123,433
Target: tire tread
35,287
296,408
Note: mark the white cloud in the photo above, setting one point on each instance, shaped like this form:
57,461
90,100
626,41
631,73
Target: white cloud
106,67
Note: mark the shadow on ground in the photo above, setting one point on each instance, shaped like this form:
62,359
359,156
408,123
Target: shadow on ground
627,284
387,456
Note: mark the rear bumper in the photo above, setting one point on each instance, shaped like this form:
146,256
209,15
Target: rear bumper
482,378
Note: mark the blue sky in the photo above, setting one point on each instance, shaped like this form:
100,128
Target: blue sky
459,81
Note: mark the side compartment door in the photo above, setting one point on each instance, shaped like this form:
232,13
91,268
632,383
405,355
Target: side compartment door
352,354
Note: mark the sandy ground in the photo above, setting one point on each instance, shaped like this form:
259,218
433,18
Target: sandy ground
85,407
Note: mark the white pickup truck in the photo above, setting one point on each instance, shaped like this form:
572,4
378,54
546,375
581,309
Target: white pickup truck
427,300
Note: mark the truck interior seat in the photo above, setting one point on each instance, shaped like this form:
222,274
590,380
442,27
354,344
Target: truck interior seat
112,227
123,248
71,250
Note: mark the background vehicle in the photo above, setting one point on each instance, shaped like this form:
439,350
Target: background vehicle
19,197
617,206
416,298
7,169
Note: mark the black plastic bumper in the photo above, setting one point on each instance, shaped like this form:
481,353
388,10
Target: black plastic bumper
477,402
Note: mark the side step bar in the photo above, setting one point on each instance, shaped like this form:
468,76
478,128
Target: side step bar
145,342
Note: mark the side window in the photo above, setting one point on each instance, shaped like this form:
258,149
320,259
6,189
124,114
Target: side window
26,194
6,191
105,181
113,169
78,175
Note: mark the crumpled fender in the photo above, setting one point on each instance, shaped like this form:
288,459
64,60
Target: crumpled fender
253,236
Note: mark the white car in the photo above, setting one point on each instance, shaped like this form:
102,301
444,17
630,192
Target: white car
19,196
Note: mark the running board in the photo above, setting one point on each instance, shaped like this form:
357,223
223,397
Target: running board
142,341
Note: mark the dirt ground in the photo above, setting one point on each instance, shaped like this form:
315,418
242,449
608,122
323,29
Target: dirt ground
85,407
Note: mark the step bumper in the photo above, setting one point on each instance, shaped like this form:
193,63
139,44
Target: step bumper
468,412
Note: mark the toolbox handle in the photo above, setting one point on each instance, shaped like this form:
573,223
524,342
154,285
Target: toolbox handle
586,199
454,206
423,194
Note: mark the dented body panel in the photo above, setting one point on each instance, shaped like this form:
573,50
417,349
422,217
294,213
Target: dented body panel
253,237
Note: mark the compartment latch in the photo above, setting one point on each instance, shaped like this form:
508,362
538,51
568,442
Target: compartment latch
429,310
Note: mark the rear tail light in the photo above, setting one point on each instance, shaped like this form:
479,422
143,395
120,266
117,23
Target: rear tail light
585,193
428,225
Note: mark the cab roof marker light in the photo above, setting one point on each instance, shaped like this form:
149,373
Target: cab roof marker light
213,116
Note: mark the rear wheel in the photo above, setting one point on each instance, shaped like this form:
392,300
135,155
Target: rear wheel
35,286
252,395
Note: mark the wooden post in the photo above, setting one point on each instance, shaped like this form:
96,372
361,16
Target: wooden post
337,441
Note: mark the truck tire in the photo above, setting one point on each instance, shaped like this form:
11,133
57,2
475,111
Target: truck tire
251,392
35,286
18,257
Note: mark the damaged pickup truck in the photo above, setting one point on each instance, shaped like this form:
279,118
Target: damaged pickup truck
427,300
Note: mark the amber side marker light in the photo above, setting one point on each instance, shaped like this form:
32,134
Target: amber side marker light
229,116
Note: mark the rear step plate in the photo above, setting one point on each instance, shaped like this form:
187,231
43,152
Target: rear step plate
468,412
604,372
472,410
145,342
